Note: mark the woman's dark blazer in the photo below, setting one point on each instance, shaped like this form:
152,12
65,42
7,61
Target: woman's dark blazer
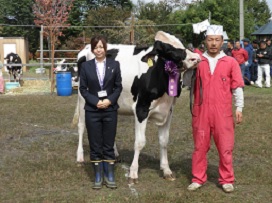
89,84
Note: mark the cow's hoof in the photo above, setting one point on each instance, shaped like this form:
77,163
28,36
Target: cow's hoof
132,180
118,159
169,177
80,164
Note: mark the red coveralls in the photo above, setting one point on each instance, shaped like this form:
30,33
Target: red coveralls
214,117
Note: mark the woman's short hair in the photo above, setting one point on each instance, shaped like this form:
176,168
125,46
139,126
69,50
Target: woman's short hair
96,39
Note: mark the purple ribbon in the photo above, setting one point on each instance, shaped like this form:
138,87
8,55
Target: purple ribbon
172,70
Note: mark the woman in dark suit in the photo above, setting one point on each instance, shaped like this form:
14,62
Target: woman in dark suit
101,86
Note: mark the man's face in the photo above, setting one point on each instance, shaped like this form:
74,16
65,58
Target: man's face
268,42
230,45
214,44
263,45
237,45
245,43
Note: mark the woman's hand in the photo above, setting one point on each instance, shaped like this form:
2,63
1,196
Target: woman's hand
103,104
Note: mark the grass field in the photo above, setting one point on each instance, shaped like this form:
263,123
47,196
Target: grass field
38,148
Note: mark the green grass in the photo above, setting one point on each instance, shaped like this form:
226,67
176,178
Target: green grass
38,148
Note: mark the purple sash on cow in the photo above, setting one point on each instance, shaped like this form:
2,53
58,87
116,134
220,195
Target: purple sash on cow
172,70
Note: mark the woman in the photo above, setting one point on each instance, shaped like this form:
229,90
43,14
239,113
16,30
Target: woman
101,85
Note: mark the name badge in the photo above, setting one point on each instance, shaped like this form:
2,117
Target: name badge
102,93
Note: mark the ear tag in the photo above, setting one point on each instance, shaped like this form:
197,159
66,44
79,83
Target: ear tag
149,62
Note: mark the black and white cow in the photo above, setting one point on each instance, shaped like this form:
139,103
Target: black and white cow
146,91
16,71
62,66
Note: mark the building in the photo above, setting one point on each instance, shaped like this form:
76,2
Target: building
264,32
17,45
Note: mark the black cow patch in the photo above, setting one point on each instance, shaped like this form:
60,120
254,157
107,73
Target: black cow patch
138,50
112,53
150,86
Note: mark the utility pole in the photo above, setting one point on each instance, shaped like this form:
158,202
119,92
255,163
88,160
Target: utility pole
41,47
132,30
241,19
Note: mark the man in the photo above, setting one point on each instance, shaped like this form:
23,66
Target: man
254,66
2,82
248,47
241,56
195,50
263,57
218,77
230,46
269,46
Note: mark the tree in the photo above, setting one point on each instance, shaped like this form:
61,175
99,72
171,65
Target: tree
224,12
19,15
52,14
104,16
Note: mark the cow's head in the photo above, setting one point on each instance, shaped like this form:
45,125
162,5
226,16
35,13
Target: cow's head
169,47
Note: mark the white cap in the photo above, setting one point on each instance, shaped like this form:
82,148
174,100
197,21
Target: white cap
215,30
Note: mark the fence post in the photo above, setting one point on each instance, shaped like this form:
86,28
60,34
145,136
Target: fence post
41,47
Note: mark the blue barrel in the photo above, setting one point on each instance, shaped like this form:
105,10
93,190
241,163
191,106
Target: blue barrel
64,83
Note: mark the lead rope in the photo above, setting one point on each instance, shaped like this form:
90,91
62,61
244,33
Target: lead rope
192,90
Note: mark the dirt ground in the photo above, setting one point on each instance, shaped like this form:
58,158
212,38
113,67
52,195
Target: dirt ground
38,153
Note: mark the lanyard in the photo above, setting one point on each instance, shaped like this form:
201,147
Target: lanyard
100,77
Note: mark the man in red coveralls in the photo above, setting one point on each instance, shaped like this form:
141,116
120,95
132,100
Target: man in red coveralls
218,78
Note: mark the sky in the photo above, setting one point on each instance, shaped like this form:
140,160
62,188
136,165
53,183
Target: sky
269,2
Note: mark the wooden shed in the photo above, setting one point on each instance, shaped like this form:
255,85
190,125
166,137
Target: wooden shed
18,45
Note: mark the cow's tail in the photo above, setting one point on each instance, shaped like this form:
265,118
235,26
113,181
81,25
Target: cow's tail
76,115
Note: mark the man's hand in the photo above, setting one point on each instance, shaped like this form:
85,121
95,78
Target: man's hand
239,117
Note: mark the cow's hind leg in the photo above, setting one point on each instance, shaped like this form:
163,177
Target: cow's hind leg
163,139
140,141
81,128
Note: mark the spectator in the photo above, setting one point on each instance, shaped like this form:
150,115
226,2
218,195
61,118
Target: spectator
263,57
230,46
248,47
2,83
254,65
241,56
202,48
195,50
269,46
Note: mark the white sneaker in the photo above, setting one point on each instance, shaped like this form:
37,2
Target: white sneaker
228,187
251,82
193,186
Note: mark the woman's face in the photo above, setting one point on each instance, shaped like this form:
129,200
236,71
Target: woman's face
99,51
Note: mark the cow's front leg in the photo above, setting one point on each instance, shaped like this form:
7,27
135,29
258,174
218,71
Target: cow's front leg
163,139
138,146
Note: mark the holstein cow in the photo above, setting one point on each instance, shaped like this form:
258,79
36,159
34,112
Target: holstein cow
16,71
151,81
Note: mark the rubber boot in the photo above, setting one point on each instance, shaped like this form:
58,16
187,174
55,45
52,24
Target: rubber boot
98,173
109,179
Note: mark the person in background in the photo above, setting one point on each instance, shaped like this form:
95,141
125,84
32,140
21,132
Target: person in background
254,65
195,50
241,56
2,82
230,47
202,48
269,46
218,78
263,56
101,86
248,47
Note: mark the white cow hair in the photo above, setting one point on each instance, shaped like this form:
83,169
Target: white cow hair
169,39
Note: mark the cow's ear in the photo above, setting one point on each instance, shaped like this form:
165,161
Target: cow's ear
149,55
187,77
